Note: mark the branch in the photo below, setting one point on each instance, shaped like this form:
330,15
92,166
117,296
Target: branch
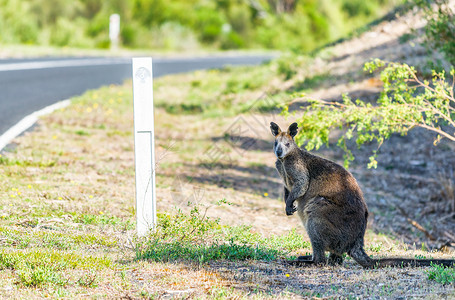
415,223
438,111
427,86
439,131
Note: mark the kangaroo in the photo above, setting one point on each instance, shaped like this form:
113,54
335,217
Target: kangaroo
330,205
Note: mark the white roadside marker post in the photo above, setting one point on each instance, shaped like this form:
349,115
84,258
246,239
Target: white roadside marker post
114,30
144,145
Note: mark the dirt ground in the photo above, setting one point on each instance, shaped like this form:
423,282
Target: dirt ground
410,195
70,178
414,182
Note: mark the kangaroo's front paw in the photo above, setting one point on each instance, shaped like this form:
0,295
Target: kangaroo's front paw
290,210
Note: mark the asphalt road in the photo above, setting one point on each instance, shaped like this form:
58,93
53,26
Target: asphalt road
28,85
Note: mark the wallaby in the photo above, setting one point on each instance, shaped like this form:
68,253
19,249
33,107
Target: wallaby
330,204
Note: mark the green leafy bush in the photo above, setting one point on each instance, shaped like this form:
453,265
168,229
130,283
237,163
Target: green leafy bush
440,29
208,24
406,102
175,24
16,28
70,33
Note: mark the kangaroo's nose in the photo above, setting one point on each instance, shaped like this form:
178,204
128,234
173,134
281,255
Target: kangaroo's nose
279,152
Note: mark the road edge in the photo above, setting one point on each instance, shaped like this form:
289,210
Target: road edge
29,121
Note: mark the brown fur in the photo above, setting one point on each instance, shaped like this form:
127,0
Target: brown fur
330,204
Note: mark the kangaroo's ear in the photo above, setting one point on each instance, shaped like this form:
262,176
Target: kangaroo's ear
293,129
275,129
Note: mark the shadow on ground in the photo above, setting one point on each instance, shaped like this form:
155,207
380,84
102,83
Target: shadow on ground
253,179
246,143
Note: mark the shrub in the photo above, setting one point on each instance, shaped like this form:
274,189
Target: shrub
208,24
358,7
17,23
440,27
70,33
307,25
232,40
406,102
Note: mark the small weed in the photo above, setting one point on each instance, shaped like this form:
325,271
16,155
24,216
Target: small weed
123,275
183,108
196,83
440,274
61,292
112,133
88,280
221,293
424,248
375,247
405,38
82,132
148,295
40,275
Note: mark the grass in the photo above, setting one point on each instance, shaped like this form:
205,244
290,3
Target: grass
219,93
35,267
23,239
22,50
310,83
67,201
196,237
441,274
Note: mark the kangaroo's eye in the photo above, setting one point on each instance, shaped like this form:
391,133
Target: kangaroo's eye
287,144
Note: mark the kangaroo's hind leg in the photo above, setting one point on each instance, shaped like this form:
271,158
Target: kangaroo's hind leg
335,259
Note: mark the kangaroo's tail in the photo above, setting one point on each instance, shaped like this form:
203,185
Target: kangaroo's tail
360,256
403,262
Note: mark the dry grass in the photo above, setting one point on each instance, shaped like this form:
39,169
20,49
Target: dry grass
67,200
68,188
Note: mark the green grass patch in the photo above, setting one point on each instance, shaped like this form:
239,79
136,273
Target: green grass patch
183,108
315,81
441,274
82,132
195,237
215,93
36,267
375,247
215,250
29,162
104,220
22,239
